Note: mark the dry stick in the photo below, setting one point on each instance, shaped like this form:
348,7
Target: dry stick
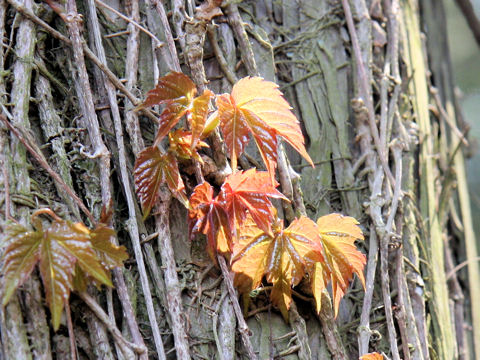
132,124
397,148
364,331
242,324
132,224
123,343
472,19
194,53
365,90
212,37
37,154
236,23
89,53
86,101
100,148
178,19
130,21
172,285
71,333
168,35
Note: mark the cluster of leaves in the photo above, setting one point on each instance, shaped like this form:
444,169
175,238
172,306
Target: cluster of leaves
240,222
69,255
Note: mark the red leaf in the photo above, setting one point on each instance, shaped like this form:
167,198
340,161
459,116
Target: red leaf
152,169
208,217
248,191
177,92
280,257
175,86
256,106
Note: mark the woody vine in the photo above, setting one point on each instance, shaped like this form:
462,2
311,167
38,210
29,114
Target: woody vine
239,219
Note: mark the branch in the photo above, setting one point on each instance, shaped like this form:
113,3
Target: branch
242,325
37,154
472,20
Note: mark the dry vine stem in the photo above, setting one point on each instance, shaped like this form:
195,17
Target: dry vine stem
132,222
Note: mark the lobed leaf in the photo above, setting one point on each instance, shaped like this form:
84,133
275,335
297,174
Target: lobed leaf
151,170
109,254
337,235
281,257
63,250
177,92
208,217
20,256
62,246
175,86
256,106
249,191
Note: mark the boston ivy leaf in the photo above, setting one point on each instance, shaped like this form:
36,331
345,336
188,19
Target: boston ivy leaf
62,250
109,254
62,246
281,257
342,259
256,106
177,92
249,191
180,144
152,169
208,217
21,253
173,87
197,117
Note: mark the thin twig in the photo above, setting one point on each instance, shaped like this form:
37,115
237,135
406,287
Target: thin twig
117,335
71,333
471,17
36,153
365,90
212,37
132,226
130,21
242,325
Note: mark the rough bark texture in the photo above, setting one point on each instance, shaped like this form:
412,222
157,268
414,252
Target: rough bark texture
370,80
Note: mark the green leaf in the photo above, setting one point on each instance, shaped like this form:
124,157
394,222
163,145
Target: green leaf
63,245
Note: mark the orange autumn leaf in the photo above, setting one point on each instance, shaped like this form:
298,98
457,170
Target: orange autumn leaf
337,235
281,257
180,144
257,107
207,216
197,116
151,170
372,356
249,191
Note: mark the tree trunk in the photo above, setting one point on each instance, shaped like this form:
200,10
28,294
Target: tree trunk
371,83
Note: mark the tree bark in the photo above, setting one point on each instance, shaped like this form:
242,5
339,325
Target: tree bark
370,82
